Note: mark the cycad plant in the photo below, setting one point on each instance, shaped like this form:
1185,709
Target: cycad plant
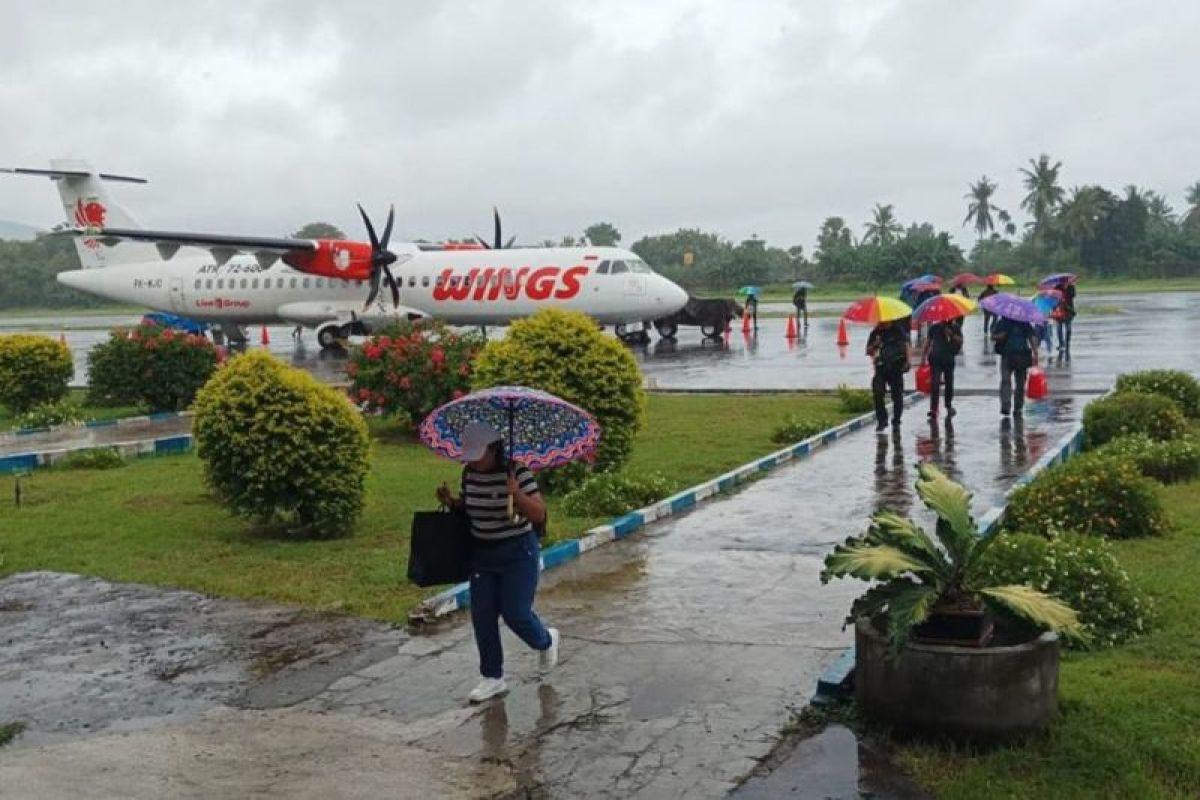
916,575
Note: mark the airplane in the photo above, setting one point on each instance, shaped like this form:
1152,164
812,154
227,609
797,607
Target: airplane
231,280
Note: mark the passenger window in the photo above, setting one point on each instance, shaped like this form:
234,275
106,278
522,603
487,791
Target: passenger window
220,283
619,267
602,269
197,285
306,280
254,283
441,281
279,283
208,284
293,283
320,283
412,281
244,282
425,281
345,283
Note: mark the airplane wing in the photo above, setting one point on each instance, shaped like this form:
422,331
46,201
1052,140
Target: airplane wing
222,246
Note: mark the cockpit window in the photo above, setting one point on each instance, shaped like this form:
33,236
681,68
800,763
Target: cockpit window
619,267
602,269
639,266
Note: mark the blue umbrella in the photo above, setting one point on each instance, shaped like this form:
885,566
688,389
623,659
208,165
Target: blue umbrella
928,277
1047,300
1017,309
750,291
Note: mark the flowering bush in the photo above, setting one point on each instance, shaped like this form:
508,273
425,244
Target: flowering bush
1132,412
33,370
152,366
1175,384
797,428
1097,496
1079,570
613,493
1166,462
410,369
63,412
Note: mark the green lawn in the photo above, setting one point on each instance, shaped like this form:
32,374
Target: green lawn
152,521
1131,716
91,413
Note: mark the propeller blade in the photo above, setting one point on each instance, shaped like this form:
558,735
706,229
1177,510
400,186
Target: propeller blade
496,216
387,229
370,228
392,283
374,292
509,243
481,241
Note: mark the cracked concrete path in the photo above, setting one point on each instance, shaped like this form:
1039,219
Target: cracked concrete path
685,650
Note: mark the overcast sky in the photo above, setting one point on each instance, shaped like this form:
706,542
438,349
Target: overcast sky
747,117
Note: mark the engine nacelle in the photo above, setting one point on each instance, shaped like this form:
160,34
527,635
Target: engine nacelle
334,258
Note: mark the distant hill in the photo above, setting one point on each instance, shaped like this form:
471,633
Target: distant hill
17,231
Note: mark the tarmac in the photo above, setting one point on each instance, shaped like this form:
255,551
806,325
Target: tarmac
686,651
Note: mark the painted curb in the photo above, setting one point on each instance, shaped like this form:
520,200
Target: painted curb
835,681
458,597
164,445
103,423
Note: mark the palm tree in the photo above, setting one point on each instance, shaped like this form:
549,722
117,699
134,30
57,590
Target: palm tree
1192,218
1160,210
1045,195
884,228
980,209
1082,213
1005,219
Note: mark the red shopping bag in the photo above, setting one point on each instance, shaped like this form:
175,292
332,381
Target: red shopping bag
1036,386
924,378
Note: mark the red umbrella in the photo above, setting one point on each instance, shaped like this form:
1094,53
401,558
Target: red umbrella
966,279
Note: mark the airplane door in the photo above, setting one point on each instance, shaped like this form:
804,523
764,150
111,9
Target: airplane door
176,294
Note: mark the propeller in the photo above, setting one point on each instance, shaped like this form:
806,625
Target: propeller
381,258
498,242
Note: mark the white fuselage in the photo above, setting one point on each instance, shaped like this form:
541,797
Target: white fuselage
462,287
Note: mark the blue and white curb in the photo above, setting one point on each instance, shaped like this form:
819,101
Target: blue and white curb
458,597
835,680
104,423
164,445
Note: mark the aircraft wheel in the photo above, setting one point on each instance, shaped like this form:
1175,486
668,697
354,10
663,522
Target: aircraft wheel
666,330
329,336
620,330
711,331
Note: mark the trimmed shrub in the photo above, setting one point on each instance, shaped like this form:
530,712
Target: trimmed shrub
1096,496
282,448
1175,384
1083,572
34,370
409,370
855,401
615,493
62,412
797,428
1132,412
157,368
101,458
1165,462
564,353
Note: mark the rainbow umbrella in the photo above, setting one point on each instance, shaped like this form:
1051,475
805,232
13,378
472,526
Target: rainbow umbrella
998,279
965,279
1057,279
874,310
944,307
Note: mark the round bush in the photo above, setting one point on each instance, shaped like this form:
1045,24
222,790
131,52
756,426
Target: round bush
1096,496
1175,384
281,447
1082,571
1166,462
1132,412
151,366
34,370
409,370
797,428
615,493
565,354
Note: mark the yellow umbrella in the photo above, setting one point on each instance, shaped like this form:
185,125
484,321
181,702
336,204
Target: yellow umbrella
998,279
874,310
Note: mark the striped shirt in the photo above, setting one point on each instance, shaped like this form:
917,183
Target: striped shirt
486,500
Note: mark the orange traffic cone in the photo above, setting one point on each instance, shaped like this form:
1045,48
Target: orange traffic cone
843,337
266,337
791,328
746,322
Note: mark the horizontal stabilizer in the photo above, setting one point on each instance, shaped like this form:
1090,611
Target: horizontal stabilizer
71,173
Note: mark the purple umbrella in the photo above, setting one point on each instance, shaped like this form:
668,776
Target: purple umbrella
1009,306
1056,280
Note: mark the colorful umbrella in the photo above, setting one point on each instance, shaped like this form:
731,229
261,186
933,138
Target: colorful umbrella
1009,306
543,430
802,285
928,278
749,291
965,279
943,307
998,279
1057,279
919,288
1047,300
874,310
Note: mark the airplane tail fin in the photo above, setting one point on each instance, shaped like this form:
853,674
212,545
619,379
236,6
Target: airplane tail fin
87,204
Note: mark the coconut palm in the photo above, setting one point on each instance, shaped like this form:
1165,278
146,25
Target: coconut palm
884,228
915,574
1005,219
1160,210
1045,195
979,212
1082,213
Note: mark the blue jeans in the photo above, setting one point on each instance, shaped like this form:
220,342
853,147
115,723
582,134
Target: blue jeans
504,580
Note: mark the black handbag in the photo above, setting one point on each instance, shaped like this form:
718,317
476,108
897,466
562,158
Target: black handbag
440,549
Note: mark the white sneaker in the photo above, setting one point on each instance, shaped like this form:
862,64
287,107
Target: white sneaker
548,658
487,689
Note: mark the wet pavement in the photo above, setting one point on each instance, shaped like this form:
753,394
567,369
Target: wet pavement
80,437
686,649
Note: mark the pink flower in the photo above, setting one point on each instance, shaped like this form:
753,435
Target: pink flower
464,370
405,382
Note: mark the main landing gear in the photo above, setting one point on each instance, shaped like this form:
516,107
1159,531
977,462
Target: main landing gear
332,336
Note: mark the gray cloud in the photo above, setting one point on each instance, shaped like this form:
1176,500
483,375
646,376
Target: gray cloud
760,117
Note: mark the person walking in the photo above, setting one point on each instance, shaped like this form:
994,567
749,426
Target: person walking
943,344
505,554
800,301
1065,315
752,309
988,316
889,350
1017,345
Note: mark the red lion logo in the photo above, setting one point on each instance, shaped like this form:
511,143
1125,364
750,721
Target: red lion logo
90,215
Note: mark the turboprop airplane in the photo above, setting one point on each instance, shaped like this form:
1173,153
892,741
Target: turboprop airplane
231,280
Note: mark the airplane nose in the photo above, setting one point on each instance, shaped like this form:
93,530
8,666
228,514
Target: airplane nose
672,295
75,278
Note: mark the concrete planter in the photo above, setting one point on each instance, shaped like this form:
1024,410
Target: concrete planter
987,694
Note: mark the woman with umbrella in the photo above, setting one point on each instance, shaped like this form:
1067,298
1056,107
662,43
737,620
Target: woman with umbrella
1016,343
751,294
1064,314
888,348
944,314
504,507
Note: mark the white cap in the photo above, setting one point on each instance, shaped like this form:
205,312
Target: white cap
475,440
